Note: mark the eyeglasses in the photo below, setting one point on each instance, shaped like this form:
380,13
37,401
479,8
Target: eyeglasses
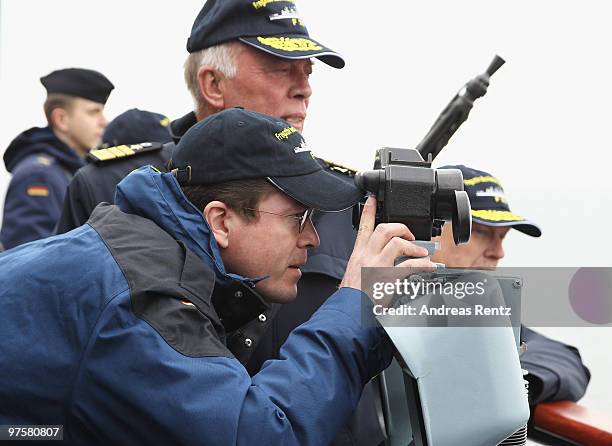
300,218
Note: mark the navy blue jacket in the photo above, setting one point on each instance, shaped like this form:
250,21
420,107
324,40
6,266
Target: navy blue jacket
129,348
556,371
42,167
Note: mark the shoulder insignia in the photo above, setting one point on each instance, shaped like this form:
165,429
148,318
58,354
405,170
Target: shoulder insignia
339,168
44,160
113,153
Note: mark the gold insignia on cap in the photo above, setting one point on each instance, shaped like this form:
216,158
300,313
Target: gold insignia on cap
165,122
290,43
492,215
477,180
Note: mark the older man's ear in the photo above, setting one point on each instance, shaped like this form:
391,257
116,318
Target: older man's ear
209,81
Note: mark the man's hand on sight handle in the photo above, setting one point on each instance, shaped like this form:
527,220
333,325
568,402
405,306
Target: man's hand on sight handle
379,247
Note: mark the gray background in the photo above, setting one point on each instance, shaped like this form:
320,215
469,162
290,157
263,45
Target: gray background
542,128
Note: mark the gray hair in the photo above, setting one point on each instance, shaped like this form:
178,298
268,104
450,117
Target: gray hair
220,57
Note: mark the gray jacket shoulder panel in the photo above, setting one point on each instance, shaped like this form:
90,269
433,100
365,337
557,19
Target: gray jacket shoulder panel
170,288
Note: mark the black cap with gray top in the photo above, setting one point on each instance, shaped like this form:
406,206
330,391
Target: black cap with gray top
237,144
273,26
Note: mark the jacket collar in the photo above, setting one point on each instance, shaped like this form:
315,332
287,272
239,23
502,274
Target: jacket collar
158,197
179,126
39,140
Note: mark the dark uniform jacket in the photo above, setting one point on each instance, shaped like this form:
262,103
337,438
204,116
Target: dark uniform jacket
129,349
95,183
42,166
556,371
321,276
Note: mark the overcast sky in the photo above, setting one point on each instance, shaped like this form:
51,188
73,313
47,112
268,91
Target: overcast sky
543,128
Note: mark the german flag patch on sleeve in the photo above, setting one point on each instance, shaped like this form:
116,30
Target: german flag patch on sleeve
37,191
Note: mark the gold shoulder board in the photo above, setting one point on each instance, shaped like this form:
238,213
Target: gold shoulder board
112,153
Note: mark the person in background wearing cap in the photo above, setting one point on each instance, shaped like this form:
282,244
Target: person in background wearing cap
135,126
252,54
556,371
42,160
130,349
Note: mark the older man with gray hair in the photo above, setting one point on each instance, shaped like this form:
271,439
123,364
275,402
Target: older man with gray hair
255,55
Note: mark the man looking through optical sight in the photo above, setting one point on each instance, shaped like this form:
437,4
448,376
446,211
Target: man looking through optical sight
184,258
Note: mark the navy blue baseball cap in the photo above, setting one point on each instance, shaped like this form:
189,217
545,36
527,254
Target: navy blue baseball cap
273,26
135,126
237,144
79,82
489,203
